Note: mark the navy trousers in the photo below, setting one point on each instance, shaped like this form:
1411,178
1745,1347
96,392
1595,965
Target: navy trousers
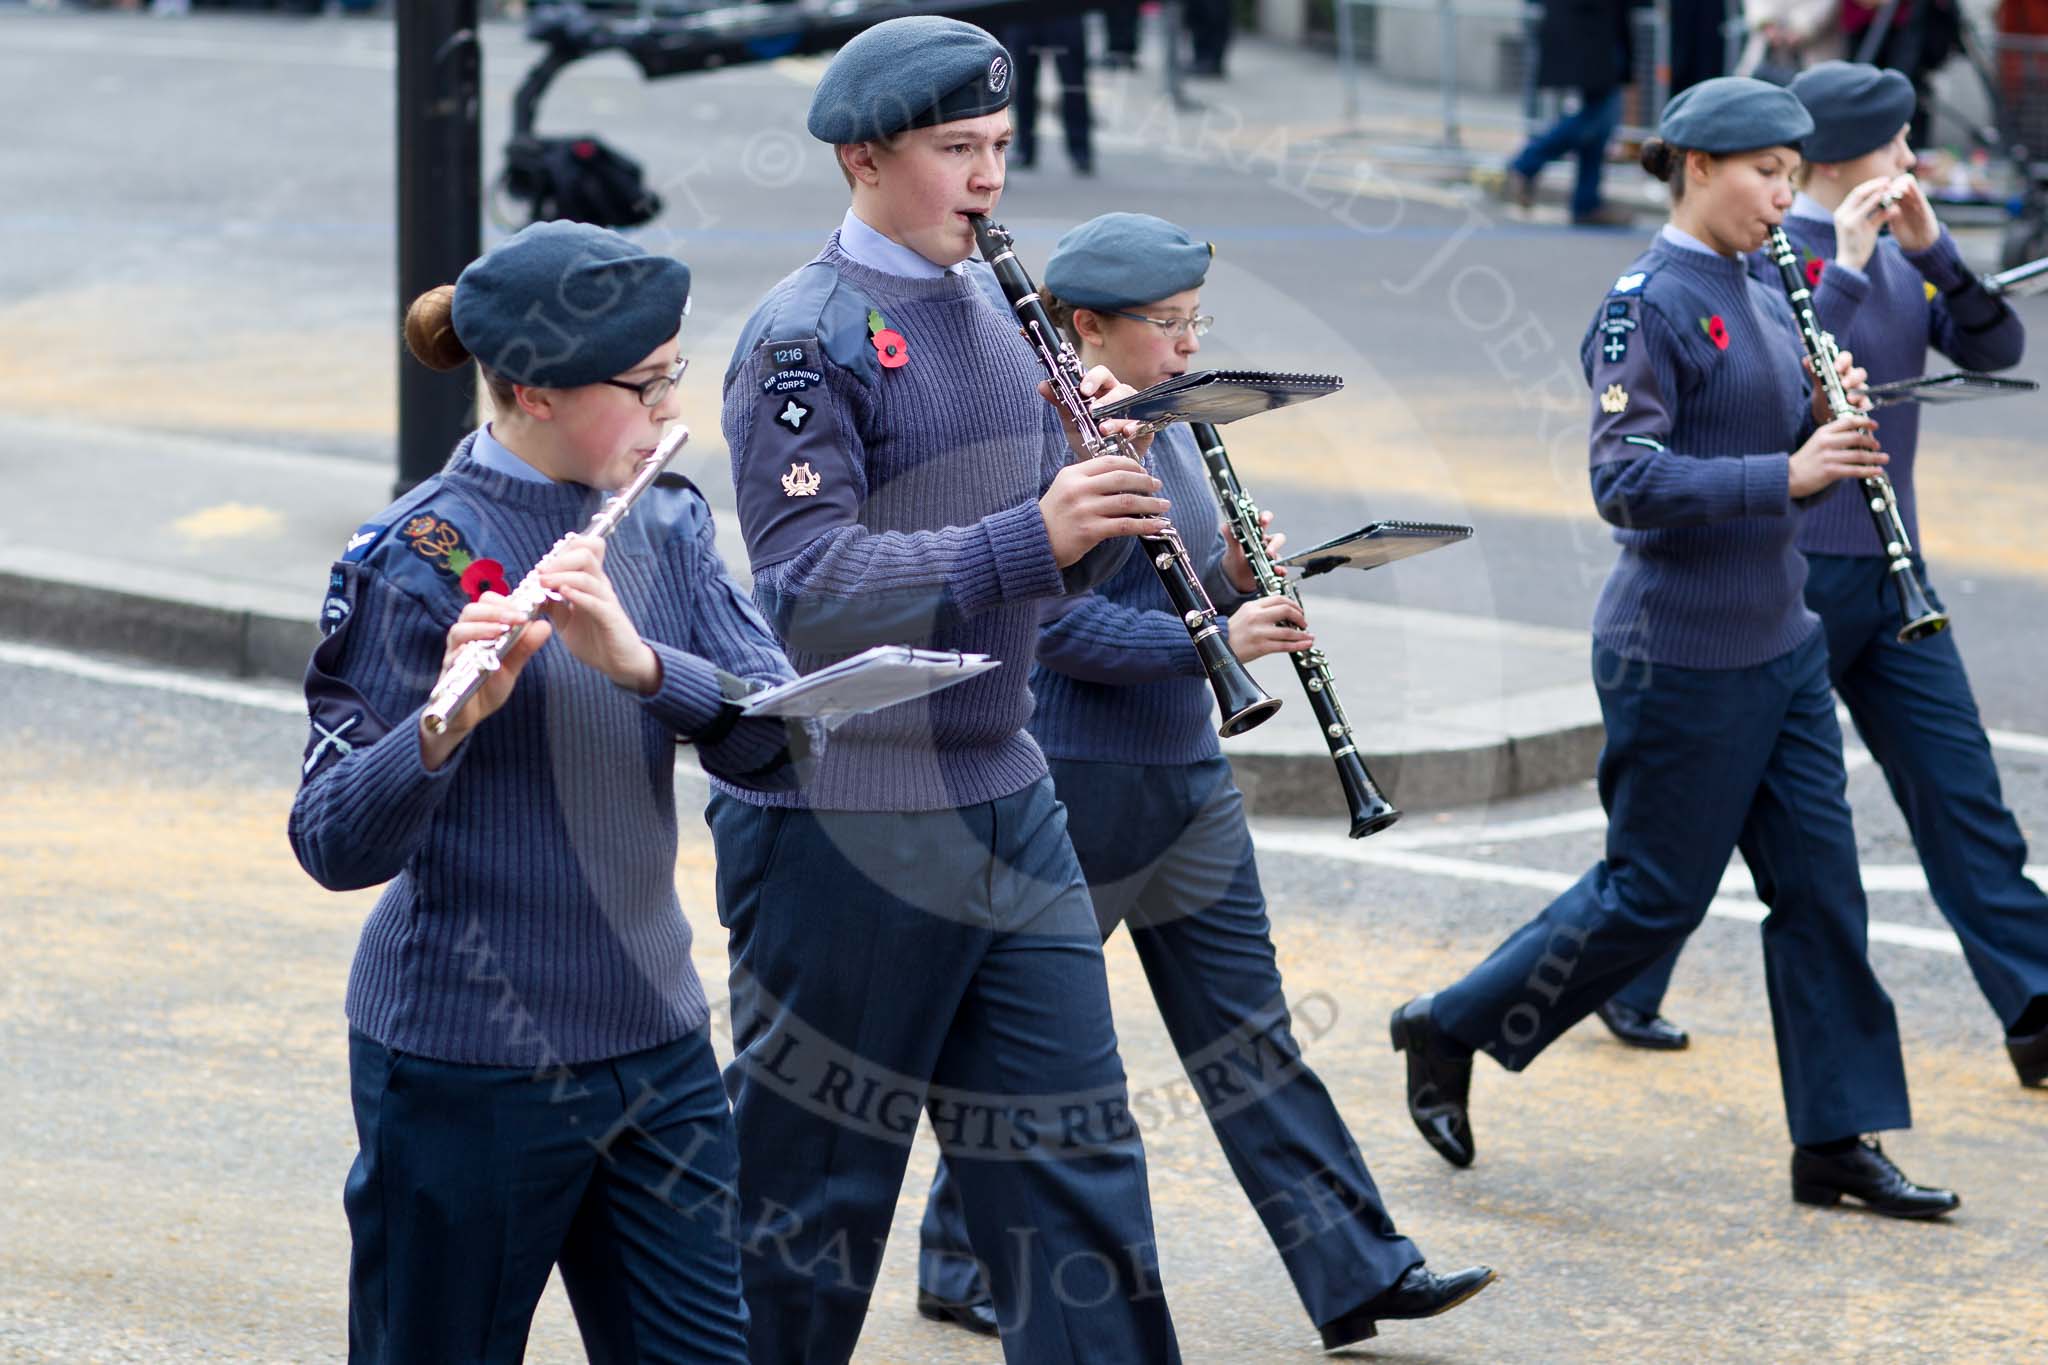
1697,763
1913,709
1167,853
473,1182
1582,133
944,961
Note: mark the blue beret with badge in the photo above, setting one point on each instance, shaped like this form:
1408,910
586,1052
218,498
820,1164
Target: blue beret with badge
1856,108
1122,259
1734,114
562,304
912,72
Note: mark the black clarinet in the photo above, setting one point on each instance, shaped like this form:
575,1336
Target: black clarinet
1370,810
1917,616
1242,702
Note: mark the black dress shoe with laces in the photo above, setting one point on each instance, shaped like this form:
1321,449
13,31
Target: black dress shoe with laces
1865,1173
1439,1081
979,1316
2030,1057
1417,1294
1652,1031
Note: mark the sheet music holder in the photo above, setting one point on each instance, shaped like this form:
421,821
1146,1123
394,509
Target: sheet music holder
1955,386
1218,396
882,676
2020,281
1377,543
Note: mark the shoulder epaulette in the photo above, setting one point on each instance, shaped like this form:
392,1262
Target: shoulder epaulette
812,308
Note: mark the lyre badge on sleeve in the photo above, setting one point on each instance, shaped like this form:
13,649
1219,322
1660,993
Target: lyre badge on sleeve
801,481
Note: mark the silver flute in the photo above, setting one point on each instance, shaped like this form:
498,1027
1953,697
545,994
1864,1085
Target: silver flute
478,659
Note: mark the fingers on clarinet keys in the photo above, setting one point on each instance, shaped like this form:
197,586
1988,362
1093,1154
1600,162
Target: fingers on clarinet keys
1649,1031
1864,1173
1439,1081
1420,1293
1097,499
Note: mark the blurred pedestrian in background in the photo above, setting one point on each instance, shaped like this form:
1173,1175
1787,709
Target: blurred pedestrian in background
1583,46
1065,41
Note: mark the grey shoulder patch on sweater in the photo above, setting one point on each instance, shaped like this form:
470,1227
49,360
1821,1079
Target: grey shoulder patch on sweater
812,304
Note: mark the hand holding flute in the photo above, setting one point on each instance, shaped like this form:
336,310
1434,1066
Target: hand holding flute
495,635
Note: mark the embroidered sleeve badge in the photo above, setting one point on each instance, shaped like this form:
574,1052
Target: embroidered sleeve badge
1615,399
801,482
441,545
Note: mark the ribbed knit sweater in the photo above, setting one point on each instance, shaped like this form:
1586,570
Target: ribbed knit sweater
1883,315
531,916
1117,679
899,505
1690,454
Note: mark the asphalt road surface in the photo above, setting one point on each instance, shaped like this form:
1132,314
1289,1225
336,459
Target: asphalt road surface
174,1123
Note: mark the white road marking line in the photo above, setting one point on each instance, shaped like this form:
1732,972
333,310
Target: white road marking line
1725,905
279,697
2018,742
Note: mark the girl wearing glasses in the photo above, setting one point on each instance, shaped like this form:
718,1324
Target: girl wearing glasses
532,1075
1124,717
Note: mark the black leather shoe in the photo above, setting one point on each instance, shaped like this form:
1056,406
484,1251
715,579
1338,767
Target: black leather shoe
1439,1081
2030,1057
1418,1294
978,1317
1864,1172
1652,1031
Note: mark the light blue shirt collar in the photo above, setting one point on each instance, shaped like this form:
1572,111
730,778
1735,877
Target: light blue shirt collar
1805,205
1683,240
877,252
492,455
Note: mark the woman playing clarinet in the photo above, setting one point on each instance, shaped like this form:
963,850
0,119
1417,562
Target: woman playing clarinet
1126,721
1706,443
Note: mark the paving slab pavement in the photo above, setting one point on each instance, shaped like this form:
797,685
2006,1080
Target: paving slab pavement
212,555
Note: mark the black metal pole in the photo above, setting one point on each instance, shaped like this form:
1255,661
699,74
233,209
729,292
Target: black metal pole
440,210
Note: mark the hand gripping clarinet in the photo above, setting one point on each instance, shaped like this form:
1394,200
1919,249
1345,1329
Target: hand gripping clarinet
1371,812
1241,701
479,659
1918,617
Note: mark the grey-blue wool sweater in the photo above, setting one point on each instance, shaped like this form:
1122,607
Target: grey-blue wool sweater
898,504
1698,400
530,916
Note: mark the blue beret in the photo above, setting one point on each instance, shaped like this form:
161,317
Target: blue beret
1734,114
1122,259
1856,108
906,73
561,304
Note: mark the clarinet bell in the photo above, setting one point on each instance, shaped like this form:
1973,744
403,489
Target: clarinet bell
1920,618
1243,703
1370,811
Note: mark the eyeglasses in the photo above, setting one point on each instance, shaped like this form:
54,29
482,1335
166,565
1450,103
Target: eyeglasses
1175,328
652,391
